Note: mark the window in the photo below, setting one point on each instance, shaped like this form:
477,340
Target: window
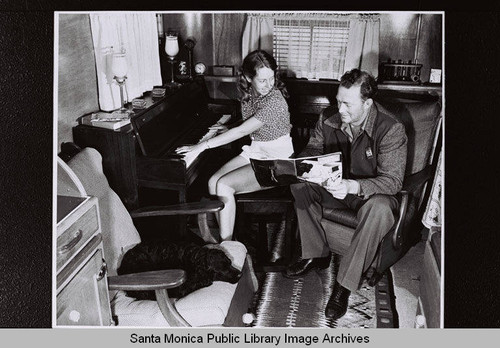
311,48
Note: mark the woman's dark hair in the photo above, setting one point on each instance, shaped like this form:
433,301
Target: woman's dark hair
356,77
253,62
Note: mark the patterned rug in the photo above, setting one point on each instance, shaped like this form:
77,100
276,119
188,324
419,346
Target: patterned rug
283,302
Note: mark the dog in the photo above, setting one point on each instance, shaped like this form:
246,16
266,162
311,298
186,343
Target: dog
203,265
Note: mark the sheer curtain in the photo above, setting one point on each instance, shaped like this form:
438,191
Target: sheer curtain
363,47
258,34
136,33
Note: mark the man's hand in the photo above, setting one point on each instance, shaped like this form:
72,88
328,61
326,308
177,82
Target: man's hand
344,187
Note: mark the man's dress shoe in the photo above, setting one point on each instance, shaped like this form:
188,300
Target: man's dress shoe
303,266
337,304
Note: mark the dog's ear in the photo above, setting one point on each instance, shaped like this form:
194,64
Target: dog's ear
199,258
218,260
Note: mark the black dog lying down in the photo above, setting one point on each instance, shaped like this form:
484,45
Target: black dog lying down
202,264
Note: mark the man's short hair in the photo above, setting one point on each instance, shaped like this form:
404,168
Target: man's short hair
356,77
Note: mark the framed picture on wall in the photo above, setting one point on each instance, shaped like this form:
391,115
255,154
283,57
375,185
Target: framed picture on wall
435,76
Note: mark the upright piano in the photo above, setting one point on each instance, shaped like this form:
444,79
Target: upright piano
142,154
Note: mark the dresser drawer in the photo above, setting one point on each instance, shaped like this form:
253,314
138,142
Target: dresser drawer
75,230
84,298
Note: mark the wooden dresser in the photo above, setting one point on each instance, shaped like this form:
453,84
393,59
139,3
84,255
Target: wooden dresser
82,289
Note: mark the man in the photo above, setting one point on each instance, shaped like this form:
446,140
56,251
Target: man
373,146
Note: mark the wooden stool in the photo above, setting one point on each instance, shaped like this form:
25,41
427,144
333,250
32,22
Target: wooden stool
260,207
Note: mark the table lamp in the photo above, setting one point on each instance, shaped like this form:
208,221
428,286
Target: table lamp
119,70
172,49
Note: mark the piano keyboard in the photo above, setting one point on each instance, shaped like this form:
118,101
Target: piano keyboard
191,156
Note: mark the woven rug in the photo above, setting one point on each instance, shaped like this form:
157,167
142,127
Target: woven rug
283,302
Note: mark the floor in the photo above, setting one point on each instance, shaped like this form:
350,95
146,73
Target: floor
406,275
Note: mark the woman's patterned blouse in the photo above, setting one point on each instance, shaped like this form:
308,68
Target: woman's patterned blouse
272,110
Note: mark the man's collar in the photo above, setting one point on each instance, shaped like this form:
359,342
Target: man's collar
367,125
370,120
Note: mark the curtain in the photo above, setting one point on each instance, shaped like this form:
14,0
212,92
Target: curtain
258,34
316,45
136,34
363,46
432,215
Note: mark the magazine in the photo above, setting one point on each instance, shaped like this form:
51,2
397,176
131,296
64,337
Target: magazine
325,170
105,120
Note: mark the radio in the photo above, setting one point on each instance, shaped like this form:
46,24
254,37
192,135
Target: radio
223,70
400,72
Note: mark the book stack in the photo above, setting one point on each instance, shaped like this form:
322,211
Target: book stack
105,117
158,92
105,120
138,103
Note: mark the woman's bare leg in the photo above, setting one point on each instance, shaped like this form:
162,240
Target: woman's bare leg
240,180
231,165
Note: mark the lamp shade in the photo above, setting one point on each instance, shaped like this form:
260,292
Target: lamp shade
171,45
119,65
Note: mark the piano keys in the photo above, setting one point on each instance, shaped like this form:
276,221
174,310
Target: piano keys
143,153
191,156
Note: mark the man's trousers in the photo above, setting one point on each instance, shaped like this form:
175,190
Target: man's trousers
375,216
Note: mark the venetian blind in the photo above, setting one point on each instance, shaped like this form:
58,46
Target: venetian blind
311,48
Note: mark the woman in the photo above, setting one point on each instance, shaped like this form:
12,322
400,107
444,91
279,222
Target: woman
266,120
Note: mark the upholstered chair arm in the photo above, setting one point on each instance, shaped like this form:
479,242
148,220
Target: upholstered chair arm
179,209
413,182
160,282
199,208
153,280
397,239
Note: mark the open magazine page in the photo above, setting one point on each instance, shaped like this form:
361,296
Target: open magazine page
325,170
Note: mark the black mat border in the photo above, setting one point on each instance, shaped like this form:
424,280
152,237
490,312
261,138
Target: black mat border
471,242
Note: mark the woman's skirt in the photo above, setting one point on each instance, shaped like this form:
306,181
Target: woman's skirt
279,148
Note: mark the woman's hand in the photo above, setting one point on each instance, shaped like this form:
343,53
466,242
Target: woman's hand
220,128
191,148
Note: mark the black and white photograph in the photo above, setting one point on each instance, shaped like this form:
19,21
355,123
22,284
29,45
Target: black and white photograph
133,211
161,220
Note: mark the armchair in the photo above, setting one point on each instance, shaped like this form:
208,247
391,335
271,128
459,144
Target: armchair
221,304
422,123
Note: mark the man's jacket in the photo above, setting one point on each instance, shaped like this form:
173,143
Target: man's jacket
377,156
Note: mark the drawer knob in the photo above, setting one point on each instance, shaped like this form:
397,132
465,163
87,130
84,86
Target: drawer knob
102,271
74,241
74,316
420,322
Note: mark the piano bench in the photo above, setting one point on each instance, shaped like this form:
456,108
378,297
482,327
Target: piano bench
263,207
